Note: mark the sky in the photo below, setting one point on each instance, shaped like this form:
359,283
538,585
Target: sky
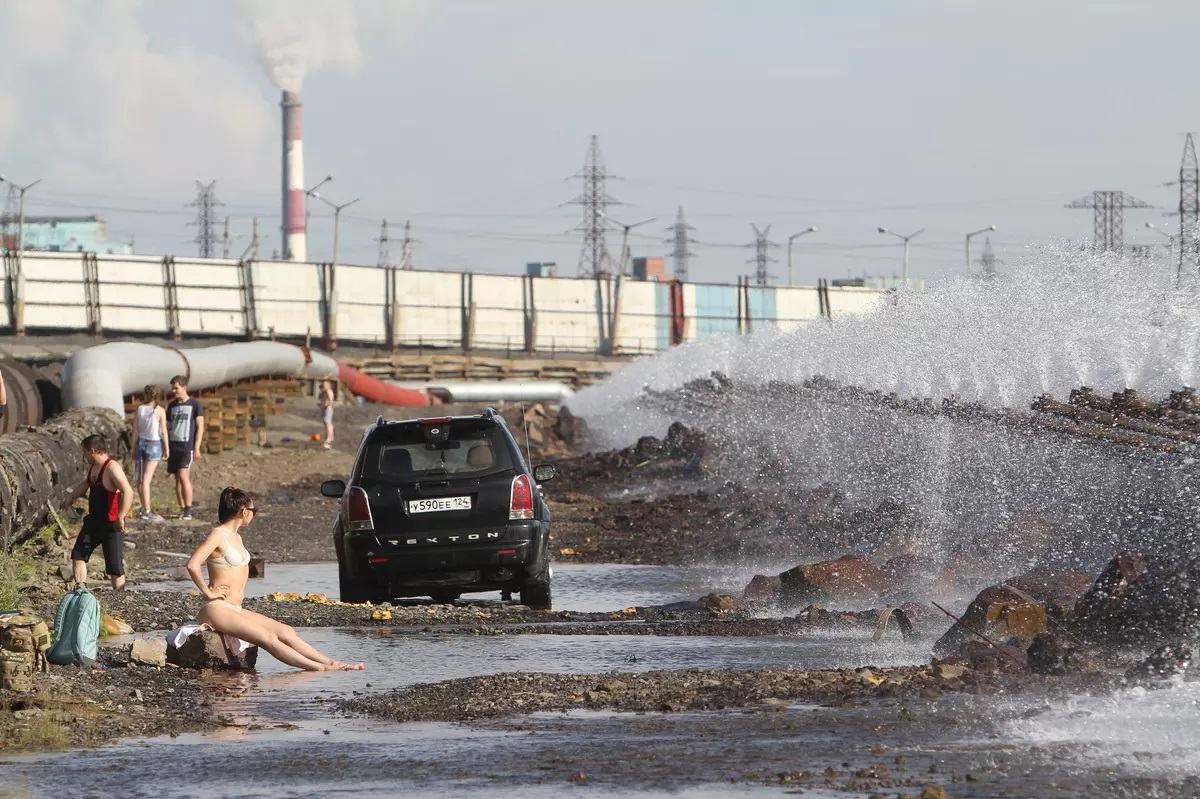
469,117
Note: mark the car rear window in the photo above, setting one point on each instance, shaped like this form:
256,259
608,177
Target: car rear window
402,452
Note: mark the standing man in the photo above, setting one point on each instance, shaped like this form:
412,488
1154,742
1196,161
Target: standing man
3,396
109,499
325,403
185,434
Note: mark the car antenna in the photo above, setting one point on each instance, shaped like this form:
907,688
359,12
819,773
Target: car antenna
528,454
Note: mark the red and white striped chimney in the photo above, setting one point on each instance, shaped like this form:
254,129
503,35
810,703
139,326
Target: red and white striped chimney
295,236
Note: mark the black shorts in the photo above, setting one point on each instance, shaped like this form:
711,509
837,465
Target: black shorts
179,459
101,534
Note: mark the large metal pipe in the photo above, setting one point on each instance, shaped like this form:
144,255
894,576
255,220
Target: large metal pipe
496,391
374,390
103,376
294,227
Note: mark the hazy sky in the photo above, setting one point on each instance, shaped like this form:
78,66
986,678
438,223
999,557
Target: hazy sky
467,116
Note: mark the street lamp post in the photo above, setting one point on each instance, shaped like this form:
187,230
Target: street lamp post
17,287
625,237
337,212
987,229
906,240
792,238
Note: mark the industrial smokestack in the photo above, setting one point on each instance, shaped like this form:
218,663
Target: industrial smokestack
295,235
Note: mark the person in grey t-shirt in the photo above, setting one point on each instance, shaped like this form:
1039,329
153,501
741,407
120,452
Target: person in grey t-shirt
185,434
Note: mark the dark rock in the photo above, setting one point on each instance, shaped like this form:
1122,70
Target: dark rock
762,589
206,650
1164,663
999,614
849,578
1054,654
982,656
1103,610
258,567
1142,602
719,602
570,428
1059,591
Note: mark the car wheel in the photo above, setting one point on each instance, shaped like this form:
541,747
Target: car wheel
445,597
535,592
351,590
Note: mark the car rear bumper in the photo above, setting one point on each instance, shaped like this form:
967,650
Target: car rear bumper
409,563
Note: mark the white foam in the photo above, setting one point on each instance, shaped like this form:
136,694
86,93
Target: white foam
1059,319
1148,730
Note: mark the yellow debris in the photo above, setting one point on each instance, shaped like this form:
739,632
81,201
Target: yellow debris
566,551
381,614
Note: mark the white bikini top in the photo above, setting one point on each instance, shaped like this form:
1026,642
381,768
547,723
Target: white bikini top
232,556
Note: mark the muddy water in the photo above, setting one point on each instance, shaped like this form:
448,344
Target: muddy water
284,740
581,587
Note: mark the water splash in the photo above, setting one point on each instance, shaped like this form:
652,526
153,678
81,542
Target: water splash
1061,319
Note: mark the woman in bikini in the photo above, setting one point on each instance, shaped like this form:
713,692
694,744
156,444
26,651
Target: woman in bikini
228,569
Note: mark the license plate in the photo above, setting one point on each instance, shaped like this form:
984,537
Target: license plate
439,504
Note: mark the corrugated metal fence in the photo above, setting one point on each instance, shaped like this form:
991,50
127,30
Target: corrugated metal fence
392,307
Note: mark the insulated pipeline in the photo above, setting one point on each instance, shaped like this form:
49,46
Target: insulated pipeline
104,375
24,407
374,390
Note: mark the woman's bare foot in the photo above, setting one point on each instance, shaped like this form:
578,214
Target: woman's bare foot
338,665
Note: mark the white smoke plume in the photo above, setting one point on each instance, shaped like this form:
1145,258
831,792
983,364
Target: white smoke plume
295,38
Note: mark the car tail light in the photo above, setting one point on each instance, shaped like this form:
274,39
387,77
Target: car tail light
521,506
434,420
358,510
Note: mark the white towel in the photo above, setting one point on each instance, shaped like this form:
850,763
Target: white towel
177,637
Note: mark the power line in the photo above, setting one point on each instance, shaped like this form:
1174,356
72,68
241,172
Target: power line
206,203
594,199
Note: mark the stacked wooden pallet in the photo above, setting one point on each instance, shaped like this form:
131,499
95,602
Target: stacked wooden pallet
238,414
452,367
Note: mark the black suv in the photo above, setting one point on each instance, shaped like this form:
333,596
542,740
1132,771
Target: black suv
442,506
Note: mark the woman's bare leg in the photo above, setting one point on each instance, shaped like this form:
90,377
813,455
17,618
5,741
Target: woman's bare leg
225,619
290,637
148,467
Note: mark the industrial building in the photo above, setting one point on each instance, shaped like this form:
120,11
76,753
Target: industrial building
61,234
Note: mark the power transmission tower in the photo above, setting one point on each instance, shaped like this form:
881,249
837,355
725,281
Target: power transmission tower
594,256
680,239
406,246
1189,207
1109,217
206,203
761,259
225,240
987,262
385,257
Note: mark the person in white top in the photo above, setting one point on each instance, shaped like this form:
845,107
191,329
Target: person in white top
325,403
150,446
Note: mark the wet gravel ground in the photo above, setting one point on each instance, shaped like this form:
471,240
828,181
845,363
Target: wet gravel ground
85,706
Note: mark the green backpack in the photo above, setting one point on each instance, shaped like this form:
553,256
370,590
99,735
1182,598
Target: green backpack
76,629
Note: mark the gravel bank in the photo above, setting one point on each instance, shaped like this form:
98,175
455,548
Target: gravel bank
519,693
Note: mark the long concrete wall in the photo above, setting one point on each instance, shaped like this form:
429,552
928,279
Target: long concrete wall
190,296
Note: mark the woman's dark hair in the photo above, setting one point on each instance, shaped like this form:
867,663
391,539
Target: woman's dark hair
232,501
